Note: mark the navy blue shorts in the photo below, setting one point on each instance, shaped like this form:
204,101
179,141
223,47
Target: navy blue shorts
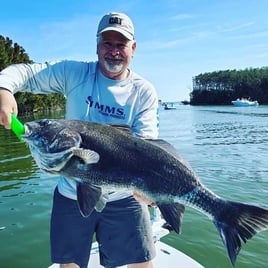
122,229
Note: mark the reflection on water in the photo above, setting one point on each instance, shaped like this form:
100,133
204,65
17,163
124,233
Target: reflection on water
16,162
232,127
226,133
226,146
25,204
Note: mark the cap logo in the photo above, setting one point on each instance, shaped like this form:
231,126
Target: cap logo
118,22
115,20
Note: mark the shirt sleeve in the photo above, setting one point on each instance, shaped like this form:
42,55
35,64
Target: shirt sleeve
49,77
146,122
35,78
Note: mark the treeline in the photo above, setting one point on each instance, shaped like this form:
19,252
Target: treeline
27,103
221,87
214,88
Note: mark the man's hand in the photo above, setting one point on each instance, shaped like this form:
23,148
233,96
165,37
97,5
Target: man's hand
142,198
8,105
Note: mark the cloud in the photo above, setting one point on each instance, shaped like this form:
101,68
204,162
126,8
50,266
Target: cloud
238,27
252,35
202,35
262,55
65,38
183,16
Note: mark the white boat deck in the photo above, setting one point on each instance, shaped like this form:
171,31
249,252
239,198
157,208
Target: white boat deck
166,256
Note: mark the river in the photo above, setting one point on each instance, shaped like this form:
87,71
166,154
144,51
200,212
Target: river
225,145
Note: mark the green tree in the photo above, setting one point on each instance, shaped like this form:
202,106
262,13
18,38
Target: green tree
27,102
221,87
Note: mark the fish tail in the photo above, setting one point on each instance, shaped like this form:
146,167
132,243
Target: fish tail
239,222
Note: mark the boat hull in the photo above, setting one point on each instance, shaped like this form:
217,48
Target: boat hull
246,103
170,108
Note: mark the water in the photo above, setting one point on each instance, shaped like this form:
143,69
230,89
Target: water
226,146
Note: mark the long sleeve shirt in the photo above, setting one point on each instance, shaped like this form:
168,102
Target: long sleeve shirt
90,96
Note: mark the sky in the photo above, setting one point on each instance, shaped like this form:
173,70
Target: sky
176,39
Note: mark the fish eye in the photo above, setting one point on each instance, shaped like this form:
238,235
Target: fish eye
45,122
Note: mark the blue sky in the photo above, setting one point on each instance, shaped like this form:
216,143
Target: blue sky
176,39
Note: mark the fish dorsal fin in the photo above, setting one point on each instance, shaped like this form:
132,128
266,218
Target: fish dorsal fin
88,156
173,214
164,145
168,148
125,128
87,198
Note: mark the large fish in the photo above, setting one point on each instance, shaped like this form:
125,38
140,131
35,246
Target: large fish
102,158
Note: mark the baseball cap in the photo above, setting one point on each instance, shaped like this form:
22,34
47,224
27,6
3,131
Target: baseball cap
118,22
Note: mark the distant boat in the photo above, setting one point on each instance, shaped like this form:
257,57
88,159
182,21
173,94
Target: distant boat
169,106
185,102
245,102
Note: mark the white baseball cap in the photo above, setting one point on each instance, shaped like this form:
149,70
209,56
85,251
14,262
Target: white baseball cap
118,22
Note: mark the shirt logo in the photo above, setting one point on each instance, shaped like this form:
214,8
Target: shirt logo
106,110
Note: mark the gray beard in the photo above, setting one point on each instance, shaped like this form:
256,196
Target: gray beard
113,68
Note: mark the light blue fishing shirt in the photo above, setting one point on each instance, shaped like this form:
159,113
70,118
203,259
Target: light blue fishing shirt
90,96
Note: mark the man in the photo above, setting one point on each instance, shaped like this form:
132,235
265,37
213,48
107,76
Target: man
105,91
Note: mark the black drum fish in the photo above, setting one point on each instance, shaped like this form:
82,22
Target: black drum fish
102,158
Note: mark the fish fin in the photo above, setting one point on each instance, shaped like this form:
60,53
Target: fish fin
88,156
87,198
239,222
170,149
164,145
101,203
173,214
125,128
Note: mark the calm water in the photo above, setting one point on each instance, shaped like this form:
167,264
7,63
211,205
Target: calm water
226,146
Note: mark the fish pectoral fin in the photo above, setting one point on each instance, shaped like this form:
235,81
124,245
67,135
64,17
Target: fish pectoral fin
88,156
173,214
87,198
101,203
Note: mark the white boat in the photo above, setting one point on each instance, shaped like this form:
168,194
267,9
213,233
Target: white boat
165,254
245,102
169,106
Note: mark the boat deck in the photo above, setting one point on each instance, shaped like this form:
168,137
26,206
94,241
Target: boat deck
165,255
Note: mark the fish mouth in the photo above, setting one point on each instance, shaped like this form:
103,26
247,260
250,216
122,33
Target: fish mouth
50,140
28,135
27,132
